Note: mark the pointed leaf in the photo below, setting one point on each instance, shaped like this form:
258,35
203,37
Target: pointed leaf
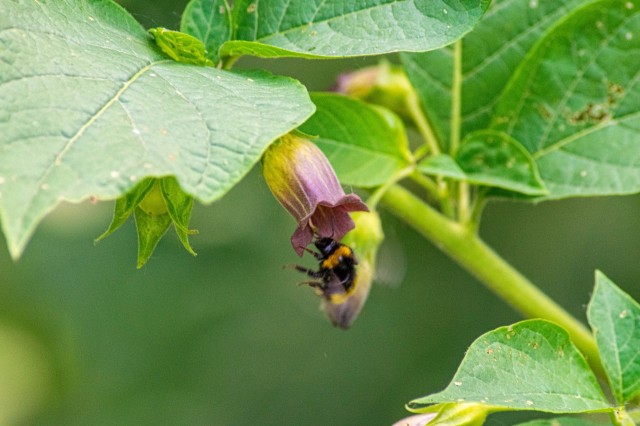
335,28
490,54
615,319
179,207
575,102
210,22
494,159
365,144
89,106
531,365
126,205
442,165
151,228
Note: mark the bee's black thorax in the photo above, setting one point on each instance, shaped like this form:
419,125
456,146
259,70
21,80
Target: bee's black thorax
336,267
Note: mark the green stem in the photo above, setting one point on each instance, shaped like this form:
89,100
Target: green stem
456,98
464,213
478,206
465,246
429,185
621,417
438,190
373,200
420,120
228,62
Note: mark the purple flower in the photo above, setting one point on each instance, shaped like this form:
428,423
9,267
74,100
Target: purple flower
302,180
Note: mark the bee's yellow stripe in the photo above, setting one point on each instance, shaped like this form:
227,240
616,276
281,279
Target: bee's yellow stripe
334,259
340,298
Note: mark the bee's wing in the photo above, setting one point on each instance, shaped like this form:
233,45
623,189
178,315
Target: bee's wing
343,309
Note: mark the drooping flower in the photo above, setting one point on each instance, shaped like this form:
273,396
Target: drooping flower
303,181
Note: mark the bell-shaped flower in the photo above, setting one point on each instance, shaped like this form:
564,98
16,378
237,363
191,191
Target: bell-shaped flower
303,181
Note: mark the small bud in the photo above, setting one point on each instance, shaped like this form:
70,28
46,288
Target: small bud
384,84
303,181
468,414
364,240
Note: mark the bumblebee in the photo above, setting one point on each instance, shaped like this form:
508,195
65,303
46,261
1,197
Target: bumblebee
336,276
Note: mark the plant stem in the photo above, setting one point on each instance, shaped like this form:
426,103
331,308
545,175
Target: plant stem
373,200
621,417
420,120
464,215
429,185
465,246
456,98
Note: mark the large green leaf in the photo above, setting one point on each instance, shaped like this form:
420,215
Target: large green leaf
575,102
490,54
366,144
615,319
89,106
336,28
210,22
531,365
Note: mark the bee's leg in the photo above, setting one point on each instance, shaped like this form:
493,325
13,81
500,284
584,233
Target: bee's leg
314,284
309,272
317,255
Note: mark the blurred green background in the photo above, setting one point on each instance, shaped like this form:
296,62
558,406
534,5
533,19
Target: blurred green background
228,338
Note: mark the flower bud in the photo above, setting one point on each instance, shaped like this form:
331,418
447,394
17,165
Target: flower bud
468,414
303,181
364,240
384,84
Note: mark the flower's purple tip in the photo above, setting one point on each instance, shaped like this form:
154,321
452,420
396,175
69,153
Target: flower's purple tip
303,181
327,221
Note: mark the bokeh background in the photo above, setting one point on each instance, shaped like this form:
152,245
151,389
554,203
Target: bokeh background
228,338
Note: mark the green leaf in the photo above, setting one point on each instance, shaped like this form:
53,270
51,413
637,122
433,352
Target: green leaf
210,22
490,54
126,205
89,106
615,319
179,206
531,365
561,421
441,165
151,228
575,102
494,159
335,28
366,144
181,47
